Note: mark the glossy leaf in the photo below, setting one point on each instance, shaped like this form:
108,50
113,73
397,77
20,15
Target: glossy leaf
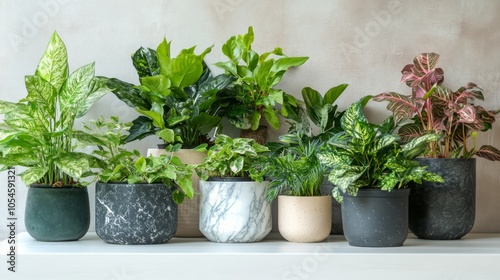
146,62
76,88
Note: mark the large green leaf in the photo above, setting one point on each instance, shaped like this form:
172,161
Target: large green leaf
186,70
163,57
76,88
156,114
167,134
41,93
53,66
205,123
332,94
146,62
272,118
98,89
285,63
159,84
33,174
74,164
141,127
255,120
128,93
314,104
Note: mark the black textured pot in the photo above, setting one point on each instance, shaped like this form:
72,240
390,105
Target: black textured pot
376,218
57,214
444,211
135,213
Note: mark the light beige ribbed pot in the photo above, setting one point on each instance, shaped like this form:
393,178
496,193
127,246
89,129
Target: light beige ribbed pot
189,211
305,218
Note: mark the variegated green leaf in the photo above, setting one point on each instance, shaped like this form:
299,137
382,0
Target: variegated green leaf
53,66
418,145
146,62
352,117
41,93
6,107
97,89
237,164
76,88
74,164
33,175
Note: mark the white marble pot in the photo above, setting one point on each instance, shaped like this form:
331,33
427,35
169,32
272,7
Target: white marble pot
305,218
234,210
188,212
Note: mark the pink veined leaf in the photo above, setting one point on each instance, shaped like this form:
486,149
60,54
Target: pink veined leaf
403,107
467,114
489,152
422,75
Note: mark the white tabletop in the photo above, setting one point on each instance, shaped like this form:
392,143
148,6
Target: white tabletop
476,256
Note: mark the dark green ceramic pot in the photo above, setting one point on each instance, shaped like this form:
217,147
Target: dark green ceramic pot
57,214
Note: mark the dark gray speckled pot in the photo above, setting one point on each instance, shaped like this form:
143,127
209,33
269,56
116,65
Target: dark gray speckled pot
444,211
135,213
376,218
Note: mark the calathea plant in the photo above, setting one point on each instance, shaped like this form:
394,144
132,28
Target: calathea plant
254,94
230,157
433,108
364,155
37,132
116,164
174,97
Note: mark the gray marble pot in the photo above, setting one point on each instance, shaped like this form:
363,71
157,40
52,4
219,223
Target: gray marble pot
376,218
444,211
135,213
234,210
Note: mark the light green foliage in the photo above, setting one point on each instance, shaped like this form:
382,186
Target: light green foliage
230,157
116,164
253,94
369,156
174,97
37,132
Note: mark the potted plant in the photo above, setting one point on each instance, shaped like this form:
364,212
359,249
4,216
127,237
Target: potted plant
38,133
304,214
442,211
370,171
136,196
174,98
253,94
233,207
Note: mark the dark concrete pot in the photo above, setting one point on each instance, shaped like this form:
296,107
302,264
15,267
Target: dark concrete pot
376,218
444,211
57,214
135,213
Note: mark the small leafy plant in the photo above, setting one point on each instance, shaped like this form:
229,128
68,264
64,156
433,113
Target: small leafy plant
230,157
116,164
296,169
364,155
253,93
175,95
37,132
433,108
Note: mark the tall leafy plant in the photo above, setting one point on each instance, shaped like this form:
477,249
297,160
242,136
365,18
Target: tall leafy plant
37,132
364,155
437,109
254,94
175,95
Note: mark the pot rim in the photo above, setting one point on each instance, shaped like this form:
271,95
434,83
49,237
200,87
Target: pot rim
49,186
380,193
230,179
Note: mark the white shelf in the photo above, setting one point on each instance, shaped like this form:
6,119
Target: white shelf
476,256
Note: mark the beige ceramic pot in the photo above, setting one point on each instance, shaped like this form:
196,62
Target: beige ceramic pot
305,218
189,211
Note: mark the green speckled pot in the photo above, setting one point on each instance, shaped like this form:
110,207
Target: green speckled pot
57,214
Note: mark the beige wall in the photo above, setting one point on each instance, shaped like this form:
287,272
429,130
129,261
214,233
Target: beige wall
362,43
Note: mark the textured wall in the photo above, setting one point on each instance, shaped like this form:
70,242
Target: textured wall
362,43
